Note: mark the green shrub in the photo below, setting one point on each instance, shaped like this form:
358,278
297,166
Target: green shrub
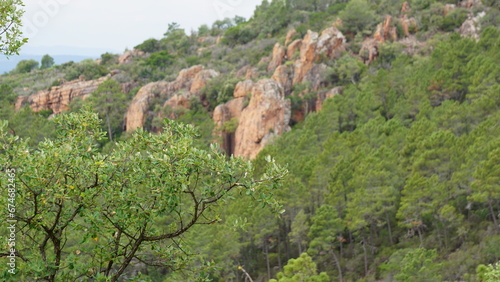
160,59
25,66
87,69
454,19
151,45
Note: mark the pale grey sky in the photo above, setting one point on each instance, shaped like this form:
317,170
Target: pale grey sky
114,25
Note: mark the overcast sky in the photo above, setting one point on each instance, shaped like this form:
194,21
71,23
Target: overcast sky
114,25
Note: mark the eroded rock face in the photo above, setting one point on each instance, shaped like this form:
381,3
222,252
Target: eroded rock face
325,95
331,43
200,80
279,53
471,28
307,56
469,3
58,98
266,117
385,31
136,113
283,75
293,48
248,72
408,24
243,88
290,34
369,50
188,82
224,113
129,55
405,8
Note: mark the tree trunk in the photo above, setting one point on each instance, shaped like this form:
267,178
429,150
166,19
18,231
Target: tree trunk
109,128
389,227
351,244
365,256
493,216
279,246
266,248
420,237
337,262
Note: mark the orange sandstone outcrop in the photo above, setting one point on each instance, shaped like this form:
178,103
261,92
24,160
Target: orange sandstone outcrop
267,116
325,95
279,53
58,98
283,75
248,72
290,34
385,31
231,109
293,48
330,44
243,88
129,55
190,81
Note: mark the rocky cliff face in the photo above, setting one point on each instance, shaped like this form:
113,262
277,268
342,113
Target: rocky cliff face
266,117
57,98
173,94
304,55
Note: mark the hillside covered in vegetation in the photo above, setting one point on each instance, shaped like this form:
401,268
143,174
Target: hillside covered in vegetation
386,114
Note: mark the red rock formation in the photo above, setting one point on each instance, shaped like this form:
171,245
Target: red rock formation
292,48
243,88
136,113
405,8
385,31
129,55
408,24
201,79
325,95
290,34
248,72
190,80
308,56
369,50
181,100
266,117
470,27
283,75
58,98
469,3
225,112
331,43
279,54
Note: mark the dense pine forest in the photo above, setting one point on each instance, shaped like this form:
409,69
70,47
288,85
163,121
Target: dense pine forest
387,169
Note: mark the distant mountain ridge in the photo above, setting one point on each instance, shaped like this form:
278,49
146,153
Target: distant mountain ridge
8,64
61,55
